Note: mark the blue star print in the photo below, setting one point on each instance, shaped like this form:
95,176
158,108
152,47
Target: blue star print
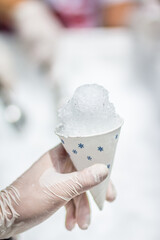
108,166
80,145
89,158
74,151
116,136
62,141
100,149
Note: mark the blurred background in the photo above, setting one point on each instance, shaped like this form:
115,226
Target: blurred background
50,47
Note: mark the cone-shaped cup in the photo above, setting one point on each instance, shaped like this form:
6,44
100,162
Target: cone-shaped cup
88,150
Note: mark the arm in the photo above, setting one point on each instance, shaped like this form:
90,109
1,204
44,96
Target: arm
37,28
6,7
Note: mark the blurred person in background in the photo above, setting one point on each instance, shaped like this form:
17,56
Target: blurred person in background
50,183
39,23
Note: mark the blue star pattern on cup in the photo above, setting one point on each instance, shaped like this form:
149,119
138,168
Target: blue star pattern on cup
100,148
74,151
80,145
116,136
89,158
62,141
108,166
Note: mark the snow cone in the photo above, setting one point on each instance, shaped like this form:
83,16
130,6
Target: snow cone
89,130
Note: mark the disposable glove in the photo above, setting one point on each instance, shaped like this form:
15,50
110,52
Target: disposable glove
50,183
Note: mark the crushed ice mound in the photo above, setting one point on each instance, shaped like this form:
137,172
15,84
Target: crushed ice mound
89,112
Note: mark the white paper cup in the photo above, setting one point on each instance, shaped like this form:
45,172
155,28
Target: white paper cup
88,150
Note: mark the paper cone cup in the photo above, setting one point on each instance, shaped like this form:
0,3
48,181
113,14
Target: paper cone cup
89,150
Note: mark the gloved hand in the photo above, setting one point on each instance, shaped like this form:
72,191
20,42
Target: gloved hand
49,184
38,30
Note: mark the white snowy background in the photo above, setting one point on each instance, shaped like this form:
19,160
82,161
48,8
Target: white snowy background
95,56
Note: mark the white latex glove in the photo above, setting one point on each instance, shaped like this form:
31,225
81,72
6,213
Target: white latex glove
49,184
38,30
